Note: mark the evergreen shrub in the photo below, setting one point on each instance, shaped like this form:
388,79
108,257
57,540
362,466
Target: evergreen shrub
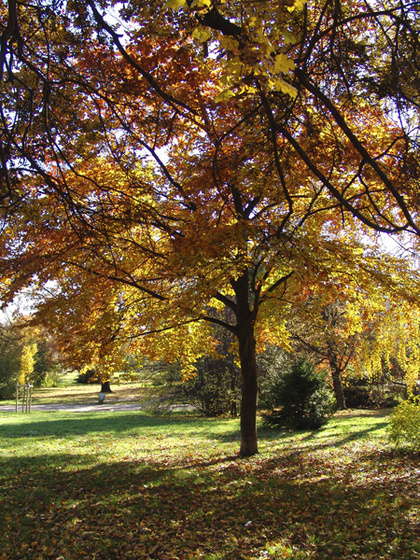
88,376
298,398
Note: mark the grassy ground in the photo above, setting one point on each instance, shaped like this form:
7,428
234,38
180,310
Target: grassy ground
128,485
70,392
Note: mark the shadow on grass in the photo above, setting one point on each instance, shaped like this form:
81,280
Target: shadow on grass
62,424
220,509
354,436
338,431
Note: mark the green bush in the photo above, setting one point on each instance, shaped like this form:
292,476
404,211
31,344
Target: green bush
215,389
10,353
298,398
52,378
88,376
404,426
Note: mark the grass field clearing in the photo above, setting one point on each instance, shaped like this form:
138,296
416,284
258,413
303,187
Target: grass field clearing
113,484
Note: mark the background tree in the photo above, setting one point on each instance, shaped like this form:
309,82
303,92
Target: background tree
10,354
28,355
27,362
144,180
359,325
47,362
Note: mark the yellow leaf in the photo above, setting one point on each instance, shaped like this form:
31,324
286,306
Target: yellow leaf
251,89
298,5
280,85
175,4
201,34
234,66
224,95
289,38
229,43
253,22
283,64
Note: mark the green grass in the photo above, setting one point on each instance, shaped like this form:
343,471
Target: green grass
70,392
128,485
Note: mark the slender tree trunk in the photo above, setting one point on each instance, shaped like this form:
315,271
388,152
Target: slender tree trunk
338,390
336,376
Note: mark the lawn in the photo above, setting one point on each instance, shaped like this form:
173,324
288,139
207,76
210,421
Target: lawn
70,392
127,485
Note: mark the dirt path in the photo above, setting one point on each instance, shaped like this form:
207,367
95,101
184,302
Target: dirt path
75,407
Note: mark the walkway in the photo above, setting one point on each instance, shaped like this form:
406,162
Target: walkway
75,407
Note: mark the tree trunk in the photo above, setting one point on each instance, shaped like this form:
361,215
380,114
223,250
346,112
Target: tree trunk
336,375
338,390
249,441
106,387
245,321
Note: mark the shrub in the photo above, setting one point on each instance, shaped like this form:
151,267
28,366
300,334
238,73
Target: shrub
88,376
298,398
404,426
215,389
365,392
52,378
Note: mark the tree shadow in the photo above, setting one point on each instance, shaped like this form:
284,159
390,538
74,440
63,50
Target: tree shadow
354,436
57,423
219,508
324,433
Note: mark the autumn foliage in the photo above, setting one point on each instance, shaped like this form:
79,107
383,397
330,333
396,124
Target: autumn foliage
164,162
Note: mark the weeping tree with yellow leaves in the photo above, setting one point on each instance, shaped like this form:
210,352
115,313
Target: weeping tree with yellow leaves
369,326
393,354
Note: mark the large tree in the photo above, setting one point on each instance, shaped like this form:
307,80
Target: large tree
163,160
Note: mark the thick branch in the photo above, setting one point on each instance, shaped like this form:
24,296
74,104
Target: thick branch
339,119
214,19
219,322
11,32
226,301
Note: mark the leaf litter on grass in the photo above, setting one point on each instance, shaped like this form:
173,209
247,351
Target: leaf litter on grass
176,491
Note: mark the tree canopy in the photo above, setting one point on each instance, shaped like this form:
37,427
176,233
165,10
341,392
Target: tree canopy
164,161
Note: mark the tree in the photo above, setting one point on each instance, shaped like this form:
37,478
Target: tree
27,362
46,358
363,328
10,354
361,324
198,154
27,355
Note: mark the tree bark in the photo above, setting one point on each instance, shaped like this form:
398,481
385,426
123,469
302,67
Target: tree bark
245,316
336,375
249,441
338,390
106,387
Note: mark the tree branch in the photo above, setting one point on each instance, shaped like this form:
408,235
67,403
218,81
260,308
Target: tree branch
339,119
